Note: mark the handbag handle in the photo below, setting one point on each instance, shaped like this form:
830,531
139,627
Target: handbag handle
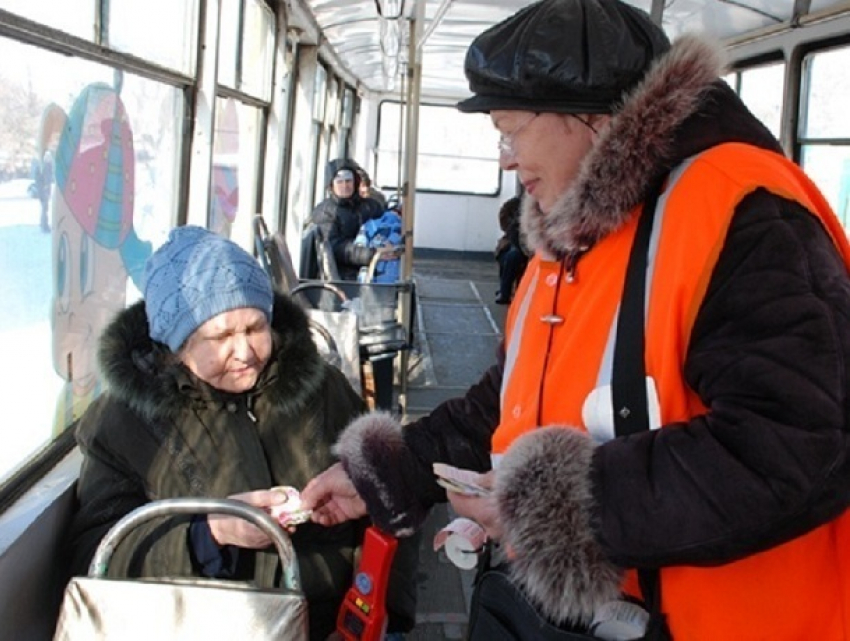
169,507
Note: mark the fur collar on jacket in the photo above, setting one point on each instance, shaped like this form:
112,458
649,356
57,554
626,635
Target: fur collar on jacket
679,109
142,374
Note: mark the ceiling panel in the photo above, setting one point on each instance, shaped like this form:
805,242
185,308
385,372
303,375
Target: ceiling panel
353,30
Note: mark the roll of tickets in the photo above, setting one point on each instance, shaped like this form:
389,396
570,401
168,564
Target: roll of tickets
463,540
289,512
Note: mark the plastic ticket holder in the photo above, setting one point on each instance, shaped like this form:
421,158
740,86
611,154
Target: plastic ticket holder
363,615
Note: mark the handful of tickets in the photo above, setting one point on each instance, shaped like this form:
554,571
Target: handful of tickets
289,513
461,481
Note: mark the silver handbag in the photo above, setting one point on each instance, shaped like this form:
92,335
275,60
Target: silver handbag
96,607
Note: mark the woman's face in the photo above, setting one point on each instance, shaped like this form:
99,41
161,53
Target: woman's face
544,149
230,350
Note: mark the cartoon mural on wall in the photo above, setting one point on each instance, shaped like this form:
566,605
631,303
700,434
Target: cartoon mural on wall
95,247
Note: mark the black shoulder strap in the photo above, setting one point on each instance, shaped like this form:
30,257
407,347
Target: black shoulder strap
628,381
628,378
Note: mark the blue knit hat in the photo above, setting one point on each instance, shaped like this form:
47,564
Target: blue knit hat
196,275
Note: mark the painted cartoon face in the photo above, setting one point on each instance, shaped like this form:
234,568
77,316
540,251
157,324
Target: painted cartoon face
90,284
93,237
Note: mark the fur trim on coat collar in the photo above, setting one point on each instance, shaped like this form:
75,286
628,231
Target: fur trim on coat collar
543,489
634,152
145,376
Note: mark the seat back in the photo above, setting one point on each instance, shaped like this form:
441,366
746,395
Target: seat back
275,256
327,262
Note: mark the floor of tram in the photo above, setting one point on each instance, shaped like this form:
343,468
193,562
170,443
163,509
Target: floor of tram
458,329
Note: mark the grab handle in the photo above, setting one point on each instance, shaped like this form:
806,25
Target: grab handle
170,507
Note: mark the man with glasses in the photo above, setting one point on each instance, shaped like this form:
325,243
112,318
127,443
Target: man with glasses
733,504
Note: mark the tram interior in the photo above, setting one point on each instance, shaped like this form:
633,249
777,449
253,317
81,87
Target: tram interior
236,107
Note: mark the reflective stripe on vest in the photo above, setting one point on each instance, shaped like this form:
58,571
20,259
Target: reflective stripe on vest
798,590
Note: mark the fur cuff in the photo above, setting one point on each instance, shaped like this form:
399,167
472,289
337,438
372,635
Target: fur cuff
544,493
376,458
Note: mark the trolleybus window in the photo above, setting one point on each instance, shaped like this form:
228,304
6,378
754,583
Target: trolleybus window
824,127
245,48
761,89
235,156
71,16
257,46
177,25
457,152
74,230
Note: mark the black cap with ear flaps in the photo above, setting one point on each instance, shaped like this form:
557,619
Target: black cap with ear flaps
563,56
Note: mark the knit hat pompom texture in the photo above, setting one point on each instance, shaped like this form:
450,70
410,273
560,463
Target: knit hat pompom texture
195,276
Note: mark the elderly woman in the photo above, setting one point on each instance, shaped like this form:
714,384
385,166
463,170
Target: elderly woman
215,389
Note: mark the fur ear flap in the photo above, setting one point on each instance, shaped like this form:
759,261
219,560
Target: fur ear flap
375,457
544,494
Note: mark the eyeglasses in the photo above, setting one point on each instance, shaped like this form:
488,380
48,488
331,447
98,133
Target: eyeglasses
506,141
586,123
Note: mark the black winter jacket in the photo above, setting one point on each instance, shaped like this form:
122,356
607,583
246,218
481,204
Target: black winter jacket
339,220
769,351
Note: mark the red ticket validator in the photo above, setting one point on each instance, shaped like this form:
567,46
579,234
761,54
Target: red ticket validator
363,615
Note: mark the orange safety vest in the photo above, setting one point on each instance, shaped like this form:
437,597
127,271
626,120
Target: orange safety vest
559,332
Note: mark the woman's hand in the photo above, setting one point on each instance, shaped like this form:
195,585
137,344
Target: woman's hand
332,497
233,530
481,509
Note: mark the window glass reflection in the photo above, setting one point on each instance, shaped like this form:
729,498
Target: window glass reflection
761,90
71,16
235,166
131,24
257,50
88,160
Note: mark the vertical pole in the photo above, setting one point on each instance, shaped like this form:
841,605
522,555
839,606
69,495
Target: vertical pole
414,84
657,11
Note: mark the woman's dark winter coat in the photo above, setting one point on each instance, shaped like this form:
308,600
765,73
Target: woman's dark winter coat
160,432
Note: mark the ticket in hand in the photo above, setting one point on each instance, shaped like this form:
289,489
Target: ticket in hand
289,513
458,480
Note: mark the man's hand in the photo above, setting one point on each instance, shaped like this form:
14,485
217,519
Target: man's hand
332,497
